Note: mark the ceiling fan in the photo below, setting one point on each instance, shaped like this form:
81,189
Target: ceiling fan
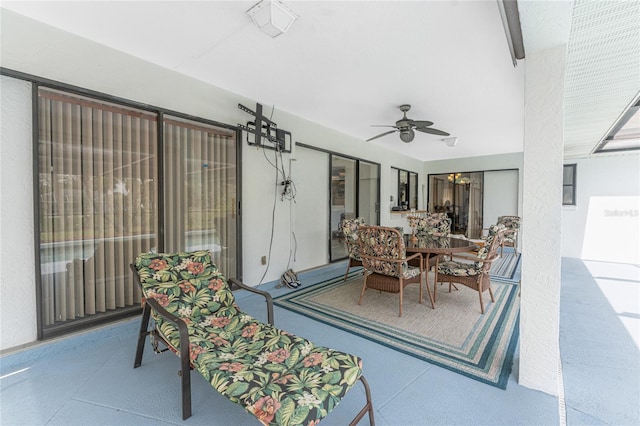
406,127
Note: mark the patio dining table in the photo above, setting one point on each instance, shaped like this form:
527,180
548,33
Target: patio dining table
437,245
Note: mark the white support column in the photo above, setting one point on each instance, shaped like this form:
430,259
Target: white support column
541,219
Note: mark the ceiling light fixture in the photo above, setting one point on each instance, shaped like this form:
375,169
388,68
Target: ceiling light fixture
272,17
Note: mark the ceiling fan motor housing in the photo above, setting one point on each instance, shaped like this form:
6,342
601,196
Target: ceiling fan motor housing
407,134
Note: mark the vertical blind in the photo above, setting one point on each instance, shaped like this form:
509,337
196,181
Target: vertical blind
98,185
98,203
200,190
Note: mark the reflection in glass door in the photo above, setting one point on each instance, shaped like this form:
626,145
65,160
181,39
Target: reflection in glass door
355,191
368,192
343,200
459,195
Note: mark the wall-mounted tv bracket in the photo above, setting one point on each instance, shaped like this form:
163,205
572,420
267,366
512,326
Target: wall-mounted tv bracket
262,129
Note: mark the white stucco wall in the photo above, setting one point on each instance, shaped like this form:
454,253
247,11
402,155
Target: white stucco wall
17,267
33,48
541,208
604,224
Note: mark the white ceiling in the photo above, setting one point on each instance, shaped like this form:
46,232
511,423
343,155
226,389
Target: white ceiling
345,64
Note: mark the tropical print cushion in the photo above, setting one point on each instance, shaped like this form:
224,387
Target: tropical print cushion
187,285
458,269
434,224
512,225
385,243
280,378
350,231
462,269
484,250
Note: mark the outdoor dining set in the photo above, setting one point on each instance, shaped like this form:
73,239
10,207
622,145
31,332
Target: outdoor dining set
391,260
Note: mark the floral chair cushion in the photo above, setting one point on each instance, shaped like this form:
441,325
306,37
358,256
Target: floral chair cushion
434,224
280,378
462,269
458,269
350,231
512,225
484,250
386,243
187,285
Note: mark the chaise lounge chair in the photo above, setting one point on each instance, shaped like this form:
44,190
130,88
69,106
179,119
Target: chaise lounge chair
279,378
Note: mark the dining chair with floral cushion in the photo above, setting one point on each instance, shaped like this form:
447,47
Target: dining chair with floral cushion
279,378
512,226
474,275
438,224
432,224
386,264
349,229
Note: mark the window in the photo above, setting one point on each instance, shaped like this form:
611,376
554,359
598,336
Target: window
104,198
407,188
569,185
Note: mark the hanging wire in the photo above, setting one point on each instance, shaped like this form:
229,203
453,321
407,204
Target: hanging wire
288,193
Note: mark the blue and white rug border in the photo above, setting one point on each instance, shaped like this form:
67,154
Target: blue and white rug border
339,322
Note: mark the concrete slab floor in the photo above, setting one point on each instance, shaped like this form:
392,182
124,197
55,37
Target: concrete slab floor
89,378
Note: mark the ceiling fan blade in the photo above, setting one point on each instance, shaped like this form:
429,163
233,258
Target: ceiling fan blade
383,125
381,135
432,131
421,123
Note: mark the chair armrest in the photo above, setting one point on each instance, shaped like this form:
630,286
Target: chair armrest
266,295
419,256
185,359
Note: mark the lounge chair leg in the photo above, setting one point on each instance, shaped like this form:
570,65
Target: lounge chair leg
185,373
368,408
481,304
142,335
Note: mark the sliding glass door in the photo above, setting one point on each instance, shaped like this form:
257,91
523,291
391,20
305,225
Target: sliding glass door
355,191
459,195
343,201
98,204
101,202
369,192
200,191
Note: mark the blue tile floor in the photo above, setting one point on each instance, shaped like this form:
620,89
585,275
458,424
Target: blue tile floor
88,379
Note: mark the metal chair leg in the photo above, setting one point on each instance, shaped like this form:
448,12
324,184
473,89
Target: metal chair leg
368,408
142,335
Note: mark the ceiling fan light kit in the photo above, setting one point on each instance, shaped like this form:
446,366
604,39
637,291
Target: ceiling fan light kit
407,135
406,127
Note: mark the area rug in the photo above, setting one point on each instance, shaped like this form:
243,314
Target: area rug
504,267
454,335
